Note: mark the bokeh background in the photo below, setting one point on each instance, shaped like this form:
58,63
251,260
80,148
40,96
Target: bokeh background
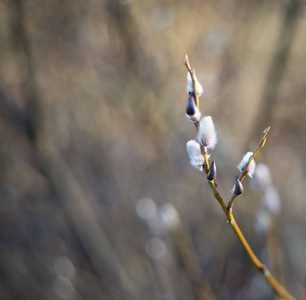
97,197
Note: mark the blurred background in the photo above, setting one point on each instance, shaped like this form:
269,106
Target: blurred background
98,200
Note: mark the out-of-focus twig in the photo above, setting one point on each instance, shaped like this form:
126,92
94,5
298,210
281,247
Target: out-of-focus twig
273,251
73,198
191,263
278,65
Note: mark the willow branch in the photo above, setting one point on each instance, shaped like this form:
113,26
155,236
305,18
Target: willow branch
277,287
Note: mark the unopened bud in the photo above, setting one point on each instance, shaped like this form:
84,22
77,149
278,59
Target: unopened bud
212,173
238,188
192,112
190,106
262,143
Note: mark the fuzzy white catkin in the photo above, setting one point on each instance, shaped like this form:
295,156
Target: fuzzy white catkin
193,148
195,155
189,86
251,168
207,135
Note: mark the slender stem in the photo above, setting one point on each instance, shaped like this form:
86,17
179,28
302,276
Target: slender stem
277,287
206,165
191,263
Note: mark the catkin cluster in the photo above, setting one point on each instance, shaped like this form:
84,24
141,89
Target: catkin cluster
207,139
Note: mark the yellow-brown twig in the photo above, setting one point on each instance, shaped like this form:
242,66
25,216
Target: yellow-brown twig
277,287
243,174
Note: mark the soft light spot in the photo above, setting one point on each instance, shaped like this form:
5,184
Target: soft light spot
146,208
162,18
156,248
63,267
170,216
63,287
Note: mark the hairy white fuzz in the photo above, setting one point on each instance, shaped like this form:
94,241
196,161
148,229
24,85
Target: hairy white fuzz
251,168
189,86
195,154
207,135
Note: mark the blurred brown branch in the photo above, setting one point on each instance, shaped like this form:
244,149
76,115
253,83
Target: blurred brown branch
74,199
278,65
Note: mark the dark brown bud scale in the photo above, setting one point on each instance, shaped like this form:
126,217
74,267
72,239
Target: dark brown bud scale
190,106
212,173
238,188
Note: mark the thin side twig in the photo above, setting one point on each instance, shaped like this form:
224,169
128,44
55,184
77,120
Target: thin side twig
243,174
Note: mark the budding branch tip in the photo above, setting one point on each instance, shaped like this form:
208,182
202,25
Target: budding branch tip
187,64
266,130
186,58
